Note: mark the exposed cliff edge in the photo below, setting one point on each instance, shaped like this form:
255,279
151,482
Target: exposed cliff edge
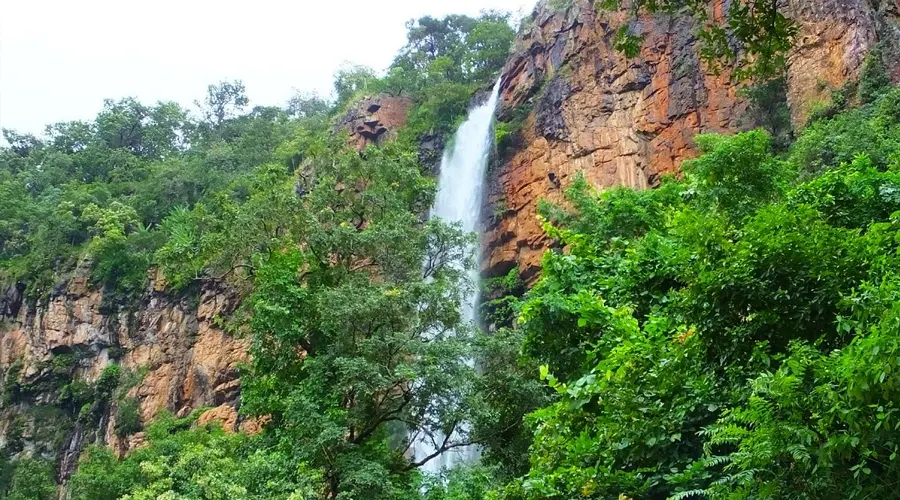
582,106
171,352
375,119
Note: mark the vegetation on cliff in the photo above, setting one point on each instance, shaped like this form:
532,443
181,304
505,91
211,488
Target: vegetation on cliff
355,343
732,333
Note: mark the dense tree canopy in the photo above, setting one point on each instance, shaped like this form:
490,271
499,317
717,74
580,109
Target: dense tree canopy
729,334
357,346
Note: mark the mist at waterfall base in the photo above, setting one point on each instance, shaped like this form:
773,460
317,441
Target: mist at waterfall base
460,188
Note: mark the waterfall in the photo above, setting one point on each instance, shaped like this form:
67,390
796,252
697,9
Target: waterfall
460,188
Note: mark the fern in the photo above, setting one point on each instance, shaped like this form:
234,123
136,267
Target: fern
689,494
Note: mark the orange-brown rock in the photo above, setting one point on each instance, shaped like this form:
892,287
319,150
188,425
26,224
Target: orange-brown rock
374,120
227,416
224,414
621,121
187,360
834,39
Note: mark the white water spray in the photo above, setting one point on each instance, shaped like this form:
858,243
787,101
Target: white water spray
460,187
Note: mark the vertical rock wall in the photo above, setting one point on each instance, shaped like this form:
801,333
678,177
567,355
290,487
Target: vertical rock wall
172,347
585,108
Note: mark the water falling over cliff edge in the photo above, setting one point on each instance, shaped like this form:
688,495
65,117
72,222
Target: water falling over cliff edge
459,199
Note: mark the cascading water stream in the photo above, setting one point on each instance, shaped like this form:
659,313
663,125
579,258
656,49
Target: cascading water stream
458,199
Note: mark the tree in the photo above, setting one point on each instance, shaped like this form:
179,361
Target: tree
429,38
720,336
120,125
151,132
223,100
349,80
182,460
357,346
32,479
21,144
473,49
489,40
307,105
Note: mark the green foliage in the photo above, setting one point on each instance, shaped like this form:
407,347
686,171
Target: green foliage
353,343
507,133
874,79
441,109
769,109
128,417
728,335
871,130
101,188
193,463
507,390
822,425
104,187
461,483
14,435
48,426
736,175
305,105
353,80
457,48
121,247
108,381
29,479
358,348
11,386
500,297
223,100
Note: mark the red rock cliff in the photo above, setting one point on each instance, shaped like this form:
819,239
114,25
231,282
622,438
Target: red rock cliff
180,360
625,121
373,120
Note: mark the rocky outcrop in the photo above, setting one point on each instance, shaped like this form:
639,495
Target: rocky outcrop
584,108
170,347
834,39
374,120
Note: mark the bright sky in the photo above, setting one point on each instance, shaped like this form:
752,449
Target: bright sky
60,58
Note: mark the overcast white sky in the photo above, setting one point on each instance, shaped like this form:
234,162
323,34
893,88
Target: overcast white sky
60,58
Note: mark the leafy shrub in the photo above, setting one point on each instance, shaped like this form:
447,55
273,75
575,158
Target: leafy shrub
107,382
874,79
32,479
128,417
724,336
871,130
193,463
11,385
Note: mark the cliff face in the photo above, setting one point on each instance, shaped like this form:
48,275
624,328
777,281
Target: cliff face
834,39
584,107
374,120
170,347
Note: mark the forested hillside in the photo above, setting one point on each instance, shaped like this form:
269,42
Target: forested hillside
731,333
325,245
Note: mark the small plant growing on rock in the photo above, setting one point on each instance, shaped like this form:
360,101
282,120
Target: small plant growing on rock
128,417
874,79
